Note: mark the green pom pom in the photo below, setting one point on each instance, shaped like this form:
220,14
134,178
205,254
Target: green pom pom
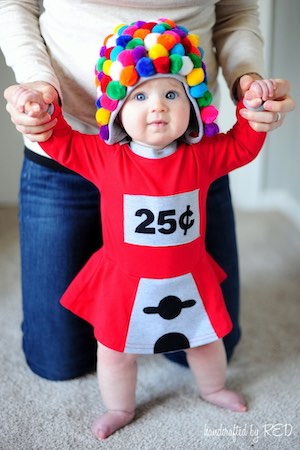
205,100
116,91
100,63
176,63
196,60
134,43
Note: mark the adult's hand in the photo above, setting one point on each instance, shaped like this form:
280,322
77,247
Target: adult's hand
37,129
274,110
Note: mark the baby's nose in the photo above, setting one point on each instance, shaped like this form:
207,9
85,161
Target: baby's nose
159,104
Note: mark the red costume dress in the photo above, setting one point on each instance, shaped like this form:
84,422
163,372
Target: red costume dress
152,287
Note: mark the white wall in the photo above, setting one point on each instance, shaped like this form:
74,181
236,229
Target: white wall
272,181
11,145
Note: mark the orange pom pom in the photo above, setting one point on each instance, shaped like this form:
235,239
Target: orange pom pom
141,33
167,40
170,22
129,76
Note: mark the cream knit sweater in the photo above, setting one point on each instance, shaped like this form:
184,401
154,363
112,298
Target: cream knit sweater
61,45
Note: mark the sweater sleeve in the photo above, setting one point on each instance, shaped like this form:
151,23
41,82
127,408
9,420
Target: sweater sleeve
236,148
85,154
237,38
22,44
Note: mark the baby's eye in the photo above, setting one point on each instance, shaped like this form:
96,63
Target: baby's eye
171,95
140,96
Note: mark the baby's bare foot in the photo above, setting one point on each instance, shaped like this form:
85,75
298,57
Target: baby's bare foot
110,422
227,399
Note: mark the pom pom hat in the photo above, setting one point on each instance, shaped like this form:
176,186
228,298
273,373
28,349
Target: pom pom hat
145,50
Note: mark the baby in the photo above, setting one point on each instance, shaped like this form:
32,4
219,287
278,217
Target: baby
153,287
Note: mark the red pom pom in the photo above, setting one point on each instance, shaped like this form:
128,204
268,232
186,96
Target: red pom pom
108,52
149,25
187,45
104,82
162,64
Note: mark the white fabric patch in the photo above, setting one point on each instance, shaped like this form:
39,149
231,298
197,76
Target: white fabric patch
161,221
192,320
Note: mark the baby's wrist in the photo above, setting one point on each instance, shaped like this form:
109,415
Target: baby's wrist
251,108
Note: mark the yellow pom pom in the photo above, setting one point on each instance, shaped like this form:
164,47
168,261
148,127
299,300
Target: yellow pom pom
194,39
102,116
157,51
118,27
106,66
196,76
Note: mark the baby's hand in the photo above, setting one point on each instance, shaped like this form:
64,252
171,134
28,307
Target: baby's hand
259,92
30,102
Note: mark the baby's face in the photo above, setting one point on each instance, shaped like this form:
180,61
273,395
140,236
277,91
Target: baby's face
156,113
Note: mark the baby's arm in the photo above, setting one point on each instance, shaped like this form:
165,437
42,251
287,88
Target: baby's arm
259,92
30,102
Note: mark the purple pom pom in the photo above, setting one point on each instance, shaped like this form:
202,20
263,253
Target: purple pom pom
104,133
138,53
211,129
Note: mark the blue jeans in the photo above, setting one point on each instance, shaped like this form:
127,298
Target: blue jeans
59,230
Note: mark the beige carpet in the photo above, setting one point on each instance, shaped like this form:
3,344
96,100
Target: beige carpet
41,415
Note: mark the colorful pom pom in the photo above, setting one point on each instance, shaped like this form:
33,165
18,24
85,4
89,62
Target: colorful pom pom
162,64
115,70
195,77
115,52
157,51
209,114
102,116
126,58
194,39
115,90
187,66
129,76
138,53
145,67
150,40
205,100
104,132
178,49
167,40
134,43
199,90
108,103
176,63
211,129
106,66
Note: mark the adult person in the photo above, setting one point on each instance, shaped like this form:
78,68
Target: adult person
55,52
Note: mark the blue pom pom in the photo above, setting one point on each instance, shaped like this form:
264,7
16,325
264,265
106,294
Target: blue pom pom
198,90
178,49
145,67
115,51
123,40
158,29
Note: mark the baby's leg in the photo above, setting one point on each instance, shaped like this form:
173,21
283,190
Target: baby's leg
117,382
208,364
